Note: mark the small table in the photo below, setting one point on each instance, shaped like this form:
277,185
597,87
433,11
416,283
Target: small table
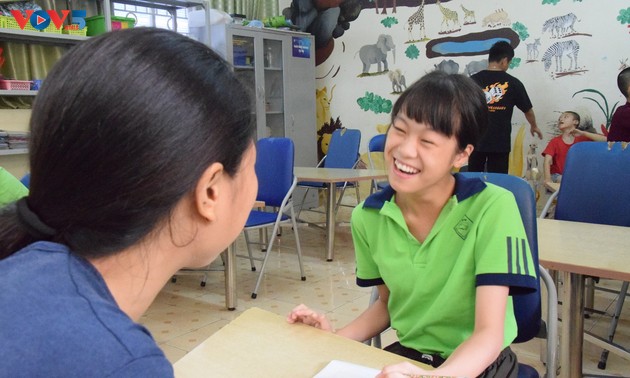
330,177
577,250
262,344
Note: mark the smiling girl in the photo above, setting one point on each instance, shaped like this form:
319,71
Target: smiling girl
438,246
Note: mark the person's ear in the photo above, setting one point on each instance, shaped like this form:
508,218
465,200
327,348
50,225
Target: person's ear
208,192
461,159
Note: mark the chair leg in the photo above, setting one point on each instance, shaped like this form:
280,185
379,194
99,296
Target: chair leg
249,252
613,323
376,340
302,203
343,190
356,187
297,244
272,238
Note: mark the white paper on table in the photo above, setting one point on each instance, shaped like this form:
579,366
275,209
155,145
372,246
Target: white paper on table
336,369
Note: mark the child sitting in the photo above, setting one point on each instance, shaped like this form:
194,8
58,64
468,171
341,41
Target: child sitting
556,151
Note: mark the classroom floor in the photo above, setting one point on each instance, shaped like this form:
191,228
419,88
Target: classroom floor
184,314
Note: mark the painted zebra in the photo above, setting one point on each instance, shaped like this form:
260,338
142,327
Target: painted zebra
569,48
560,25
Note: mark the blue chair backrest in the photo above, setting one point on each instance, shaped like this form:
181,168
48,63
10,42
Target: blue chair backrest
377,143
527,307
274,169
595,185
26,180
343,149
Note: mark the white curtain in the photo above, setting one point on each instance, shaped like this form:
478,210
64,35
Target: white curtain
252,9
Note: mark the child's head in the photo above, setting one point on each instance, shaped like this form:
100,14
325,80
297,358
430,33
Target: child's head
122,132
623,82
499,51
450,104
568,121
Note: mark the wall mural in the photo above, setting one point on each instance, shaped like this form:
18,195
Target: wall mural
377,54
553,41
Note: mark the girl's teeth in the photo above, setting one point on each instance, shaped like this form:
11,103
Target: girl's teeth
405,168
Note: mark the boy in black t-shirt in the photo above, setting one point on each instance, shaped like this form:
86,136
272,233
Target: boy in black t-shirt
503,92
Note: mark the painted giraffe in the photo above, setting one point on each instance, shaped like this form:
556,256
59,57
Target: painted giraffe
448,16
469,16
384,11
417,18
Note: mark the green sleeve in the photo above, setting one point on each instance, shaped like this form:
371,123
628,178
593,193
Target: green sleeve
11,189
502,246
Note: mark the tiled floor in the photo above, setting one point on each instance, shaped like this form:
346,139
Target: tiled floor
185,314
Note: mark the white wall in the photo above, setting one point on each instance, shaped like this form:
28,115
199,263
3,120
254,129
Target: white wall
603,41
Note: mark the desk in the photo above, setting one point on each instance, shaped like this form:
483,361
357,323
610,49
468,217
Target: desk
330,177
578,250
261,344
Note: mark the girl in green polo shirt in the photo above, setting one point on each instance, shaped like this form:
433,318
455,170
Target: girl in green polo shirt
445,251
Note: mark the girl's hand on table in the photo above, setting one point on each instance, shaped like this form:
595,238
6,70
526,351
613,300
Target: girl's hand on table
303,314
403,370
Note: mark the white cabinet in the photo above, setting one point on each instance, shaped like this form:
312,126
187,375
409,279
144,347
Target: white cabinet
279,69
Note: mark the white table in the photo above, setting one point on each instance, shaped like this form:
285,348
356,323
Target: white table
330,177
577,250
261,344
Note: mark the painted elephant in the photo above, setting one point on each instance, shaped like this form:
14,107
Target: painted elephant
377,53
398,81
448,66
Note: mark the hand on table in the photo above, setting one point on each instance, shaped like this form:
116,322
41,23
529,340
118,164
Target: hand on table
303,314
403,370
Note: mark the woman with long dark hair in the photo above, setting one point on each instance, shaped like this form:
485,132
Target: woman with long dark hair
142,162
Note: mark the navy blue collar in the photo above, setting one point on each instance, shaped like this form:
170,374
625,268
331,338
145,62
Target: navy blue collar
465,187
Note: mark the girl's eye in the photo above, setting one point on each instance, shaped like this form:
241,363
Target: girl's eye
398,129
426,141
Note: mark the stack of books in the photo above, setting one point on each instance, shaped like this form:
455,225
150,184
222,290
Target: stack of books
13,139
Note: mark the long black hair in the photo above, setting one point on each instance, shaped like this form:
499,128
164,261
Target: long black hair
451,104
122,129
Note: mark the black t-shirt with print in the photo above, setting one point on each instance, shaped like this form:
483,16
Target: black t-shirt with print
503,92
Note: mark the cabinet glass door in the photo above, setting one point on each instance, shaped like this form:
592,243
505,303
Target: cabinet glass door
243,60
273,87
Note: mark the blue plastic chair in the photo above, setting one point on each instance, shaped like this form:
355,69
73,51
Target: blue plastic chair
594,189
343,152
527,308
276,182
376,145
26,180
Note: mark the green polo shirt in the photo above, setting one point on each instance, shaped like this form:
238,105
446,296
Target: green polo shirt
11,189
478,239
